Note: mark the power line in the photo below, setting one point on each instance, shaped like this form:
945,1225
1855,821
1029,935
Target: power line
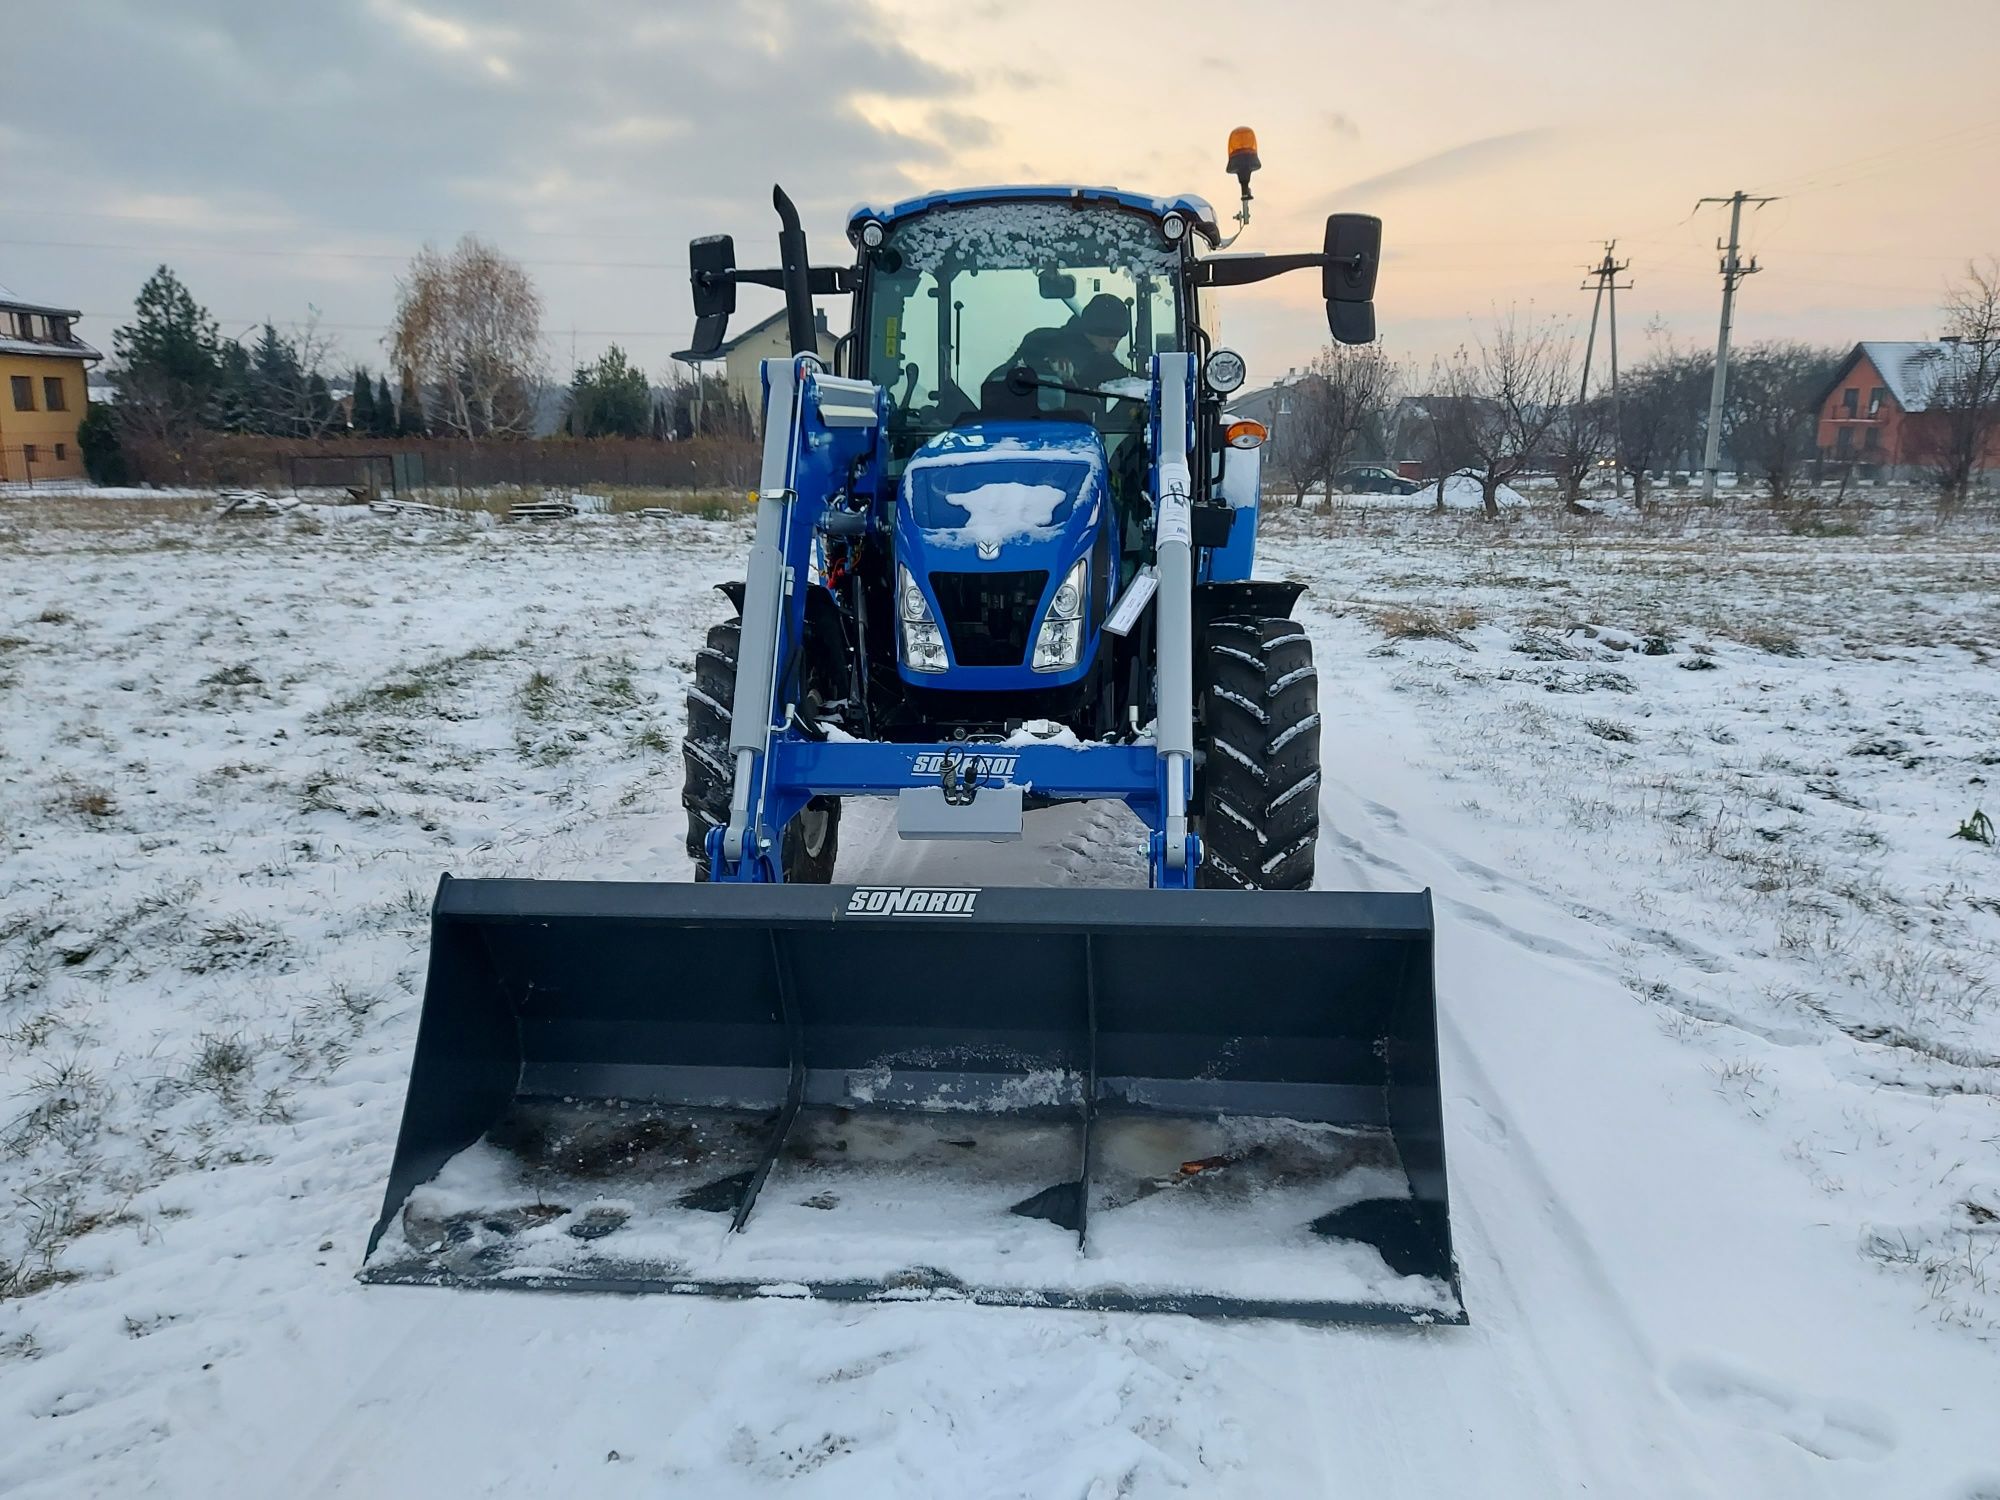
307,252
677,336
1951,140
404,230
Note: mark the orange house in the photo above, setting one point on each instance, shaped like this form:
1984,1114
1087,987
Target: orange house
42,391
1876,411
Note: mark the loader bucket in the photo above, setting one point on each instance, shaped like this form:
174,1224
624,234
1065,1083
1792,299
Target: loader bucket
1210,1102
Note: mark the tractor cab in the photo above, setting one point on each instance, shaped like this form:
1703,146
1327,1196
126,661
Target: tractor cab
1015,333
956,294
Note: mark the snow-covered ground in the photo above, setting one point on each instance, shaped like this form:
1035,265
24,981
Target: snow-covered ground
1461,492
1720,996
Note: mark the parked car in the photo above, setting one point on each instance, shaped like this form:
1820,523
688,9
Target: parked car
1373,479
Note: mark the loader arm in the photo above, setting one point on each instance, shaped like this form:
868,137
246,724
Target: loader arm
1176,852
817,429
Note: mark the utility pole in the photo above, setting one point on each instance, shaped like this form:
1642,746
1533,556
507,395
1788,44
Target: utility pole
1604,280
1733,269
1281,406
695,366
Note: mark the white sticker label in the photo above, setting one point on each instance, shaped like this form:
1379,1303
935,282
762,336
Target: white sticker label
1134,602
1173,523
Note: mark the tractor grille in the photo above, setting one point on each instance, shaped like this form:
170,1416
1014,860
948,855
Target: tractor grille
989,616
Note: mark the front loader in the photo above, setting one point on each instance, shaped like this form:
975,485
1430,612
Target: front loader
1003,560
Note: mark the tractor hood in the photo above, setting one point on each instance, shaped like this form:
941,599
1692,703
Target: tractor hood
1002,496
1012,503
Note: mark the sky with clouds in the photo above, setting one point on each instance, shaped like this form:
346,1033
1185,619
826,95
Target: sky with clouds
282,157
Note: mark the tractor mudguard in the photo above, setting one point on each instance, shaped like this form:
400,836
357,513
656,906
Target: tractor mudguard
1256,598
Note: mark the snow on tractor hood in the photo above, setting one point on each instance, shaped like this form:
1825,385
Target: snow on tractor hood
1003,496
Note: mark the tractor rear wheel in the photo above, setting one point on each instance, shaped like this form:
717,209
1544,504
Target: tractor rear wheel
812,839
1258,793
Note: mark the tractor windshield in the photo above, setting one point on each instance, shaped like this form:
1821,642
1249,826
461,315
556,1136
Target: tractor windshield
1085,295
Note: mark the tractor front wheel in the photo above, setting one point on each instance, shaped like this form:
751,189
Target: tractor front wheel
812,839
1258,791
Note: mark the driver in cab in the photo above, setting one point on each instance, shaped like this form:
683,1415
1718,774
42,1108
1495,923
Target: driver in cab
1082,351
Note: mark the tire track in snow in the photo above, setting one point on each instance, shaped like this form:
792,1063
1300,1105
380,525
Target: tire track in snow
1535,1286
502,1393
1633,1408
1405,1411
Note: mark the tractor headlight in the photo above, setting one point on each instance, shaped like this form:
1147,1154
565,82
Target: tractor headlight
1057,645
1224,371
1173,226
923,648
923,642
915,605
1067,604
1059,642
872,233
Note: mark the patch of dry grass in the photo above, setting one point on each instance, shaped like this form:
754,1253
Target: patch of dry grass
82,800
1766,637
91,513
1412,622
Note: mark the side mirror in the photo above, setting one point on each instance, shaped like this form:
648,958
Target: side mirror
1351,322
710,260
1057,286
1347,280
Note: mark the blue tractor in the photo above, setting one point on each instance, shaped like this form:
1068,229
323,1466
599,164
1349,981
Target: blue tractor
1003,558
1004,547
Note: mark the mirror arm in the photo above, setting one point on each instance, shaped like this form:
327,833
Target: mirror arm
1242,270
821,281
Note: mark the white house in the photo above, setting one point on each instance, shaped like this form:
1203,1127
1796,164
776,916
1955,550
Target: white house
763,340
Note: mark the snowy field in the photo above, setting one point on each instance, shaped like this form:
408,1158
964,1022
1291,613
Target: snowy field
1720,999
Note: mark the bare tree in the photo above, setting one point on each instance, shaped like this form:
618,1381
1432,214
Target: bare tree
469,327
1511,392
1426,425
283,382
703,405
1580,442
1344,393
1771,421
1961,423
1662,409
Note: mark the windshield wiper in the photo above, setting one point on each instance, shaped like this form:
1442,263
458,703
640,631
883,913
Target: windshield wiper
1022,381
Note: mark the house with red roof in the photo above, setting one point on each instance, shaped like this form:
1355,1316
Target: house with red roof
1883,409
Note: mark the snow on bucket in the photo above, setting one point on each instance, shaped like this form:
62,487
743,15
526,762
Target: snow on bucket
1213,1102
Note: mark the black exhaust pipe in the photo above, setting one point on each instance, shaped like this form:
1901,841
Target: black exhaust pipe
794,262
